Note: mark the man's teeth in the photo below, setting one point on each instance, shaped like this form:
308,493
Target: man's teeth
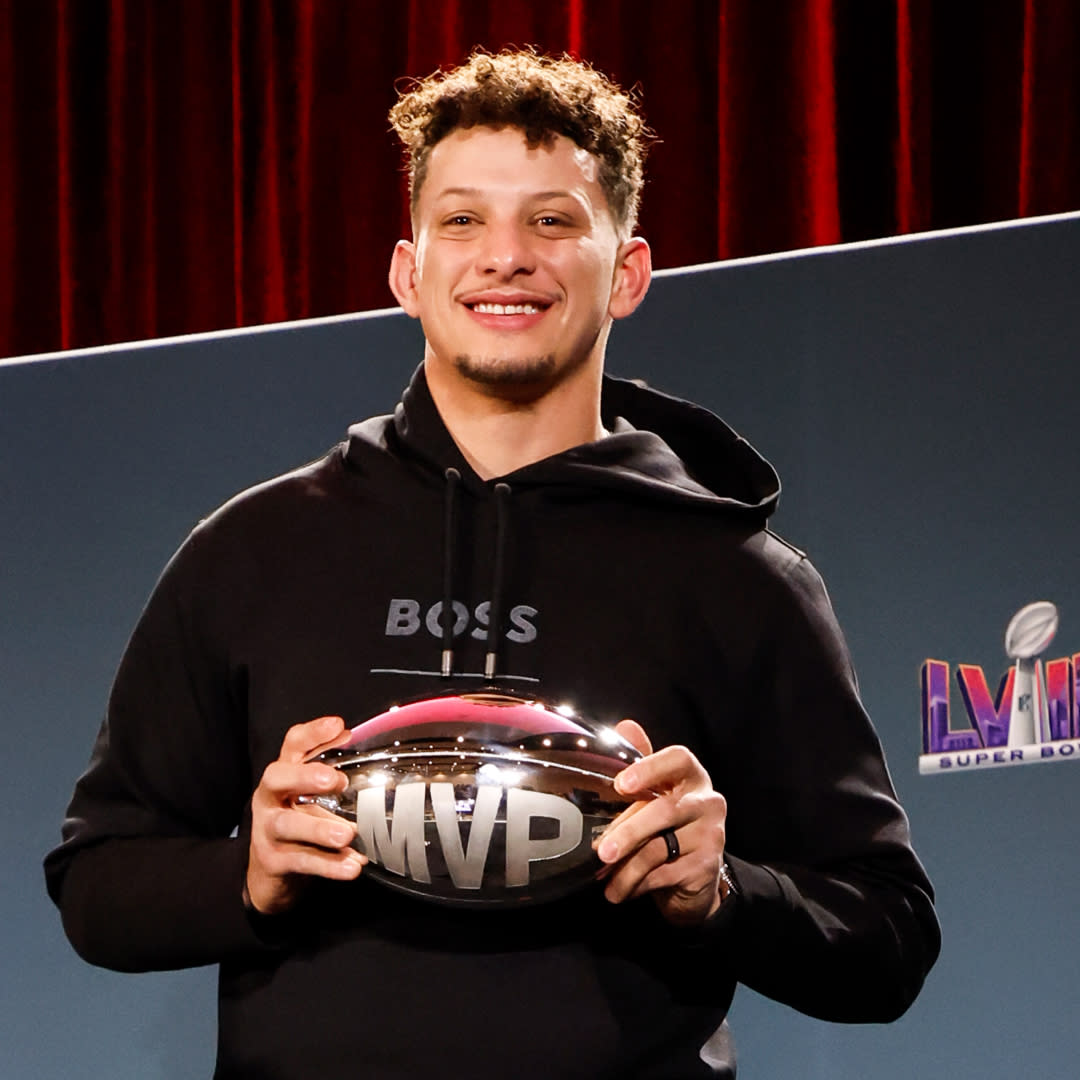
506,309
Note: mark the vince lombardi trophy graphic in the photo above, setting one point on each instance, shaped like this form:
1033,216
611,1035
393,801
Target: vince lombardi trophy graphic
1029,633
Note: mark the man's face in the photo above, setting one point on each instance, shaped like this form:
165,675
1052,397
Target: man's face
516,269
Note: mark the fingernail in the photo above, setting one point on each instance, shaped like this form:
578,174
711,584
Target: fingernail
626,780
608,850
341,835
327,778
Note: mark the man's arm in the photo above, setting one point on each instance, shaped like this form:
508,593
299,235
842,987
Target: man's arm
833,913
149,876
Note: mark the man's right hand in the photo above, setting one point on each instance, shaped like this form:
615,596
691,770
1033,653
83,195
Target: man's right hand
290,843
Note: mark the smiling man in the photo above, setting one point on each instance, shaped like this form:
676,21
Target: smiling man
583,537
517,269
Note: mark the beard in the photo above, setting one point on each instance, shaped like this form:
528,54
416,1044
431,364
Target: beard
507,372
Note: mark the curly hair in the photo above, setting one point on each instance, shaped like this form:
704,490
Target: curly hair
544,96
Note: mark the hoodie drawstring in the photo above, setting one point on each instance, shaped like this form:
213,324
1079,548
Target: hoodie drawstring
495,607
453,482
502,506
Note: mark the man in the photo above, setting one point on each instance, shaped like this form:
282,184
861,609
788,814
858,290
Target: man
638,580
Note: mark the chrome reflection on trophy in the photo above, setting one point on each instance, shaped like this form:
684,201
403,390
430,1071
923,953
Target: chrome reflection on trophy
481,798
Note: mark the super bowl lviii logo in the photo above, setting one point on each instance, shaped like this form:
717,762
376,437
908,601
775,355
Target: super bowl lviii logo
1033,717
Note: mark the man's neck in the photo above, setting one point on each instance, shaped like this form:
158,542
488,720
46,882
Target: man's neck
498,435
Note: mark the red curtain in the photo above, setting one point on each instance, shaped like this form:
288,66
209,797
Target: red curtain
169,167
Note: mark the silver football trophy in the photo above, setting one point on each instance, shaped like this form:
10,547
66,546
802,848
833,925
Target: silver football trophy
1028,635
484,798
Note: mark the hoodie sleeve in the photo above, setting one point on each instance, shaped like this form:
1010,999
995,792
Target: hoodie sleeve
835,914
148,876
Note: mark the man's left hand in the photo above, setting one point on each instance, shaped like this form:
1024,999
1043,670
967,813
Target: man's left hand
673,792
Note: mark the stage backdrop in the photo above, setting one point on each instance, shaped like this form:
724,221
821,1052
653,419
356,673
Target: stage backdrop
920,399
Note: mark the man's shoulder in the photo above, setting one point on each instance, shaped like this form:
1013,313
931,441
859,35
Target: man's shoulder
746,545
281,497
772,563
779,553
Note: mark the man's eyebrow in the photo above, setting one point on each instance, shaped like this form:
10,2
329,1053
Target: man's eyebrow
541,195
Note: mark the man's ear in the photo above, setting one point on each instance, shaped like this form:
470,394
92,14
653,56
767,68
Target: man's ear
633,272
402,276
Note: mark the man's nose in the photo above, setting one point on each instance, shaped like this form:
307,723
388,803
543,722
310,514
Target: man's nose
506,250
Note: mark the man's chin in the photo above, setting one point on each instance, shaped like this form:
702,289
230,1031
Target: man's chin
508,373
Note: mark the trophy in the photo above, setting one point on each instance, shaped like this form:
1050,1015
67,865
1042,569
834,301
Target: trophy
484,798
1029,634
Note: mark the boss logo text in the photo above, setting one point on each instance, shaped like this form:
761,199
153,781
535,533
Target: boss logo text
405,617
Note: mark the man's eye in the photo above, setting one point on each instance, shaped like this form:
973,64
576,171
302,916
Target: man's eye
550,219
459,219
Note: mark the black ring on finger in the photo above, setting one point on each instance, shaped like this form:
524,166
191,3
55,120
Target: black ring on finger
672,841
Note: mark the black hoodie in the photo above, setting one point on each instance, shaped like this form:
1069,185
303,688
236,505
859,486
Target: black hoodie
634,577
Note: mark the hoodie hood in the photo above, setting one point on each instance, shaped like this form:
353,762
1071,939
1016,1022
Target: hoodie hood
660,449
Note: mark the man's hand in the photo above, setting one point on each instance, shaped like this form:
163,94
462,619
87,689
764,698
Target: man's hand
290,842
674,792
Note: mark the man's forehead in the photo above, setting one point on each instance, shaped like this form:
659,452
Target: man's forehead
470,158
